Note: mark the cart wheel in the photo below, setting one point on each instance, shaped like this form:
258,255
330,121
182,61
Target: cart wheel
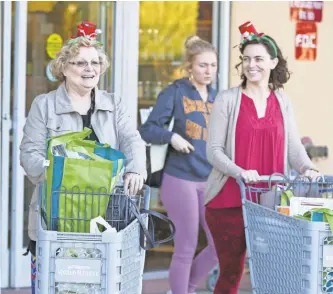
212,278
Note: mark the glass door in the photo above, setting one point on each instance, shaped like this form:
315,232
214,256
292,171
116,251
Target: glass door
5,125
161,42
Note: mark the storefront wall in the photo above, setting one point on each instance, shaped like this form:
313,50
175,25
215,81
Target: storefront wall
308,87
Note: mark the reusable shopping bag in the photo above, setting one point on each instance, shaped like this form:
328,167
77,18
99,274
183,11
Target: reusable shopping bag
73,184
327,215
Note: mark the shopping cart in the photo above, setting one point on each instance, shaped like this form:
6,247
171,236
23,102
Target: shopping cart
86,263
287,255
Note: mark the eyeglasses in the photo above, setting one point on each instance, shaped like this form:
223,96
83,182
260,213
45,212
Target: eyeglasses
84,63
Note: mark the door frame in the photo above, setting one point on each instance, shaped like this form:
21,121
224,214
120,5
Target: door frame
5,127
19,264
126,55
223,44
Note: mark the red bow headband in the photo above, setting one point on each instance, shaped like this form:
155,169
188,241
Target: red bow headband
86,30
249,33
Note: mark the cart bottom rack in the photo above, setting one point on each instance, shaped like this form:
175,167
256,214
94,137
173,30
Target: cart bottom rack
111,262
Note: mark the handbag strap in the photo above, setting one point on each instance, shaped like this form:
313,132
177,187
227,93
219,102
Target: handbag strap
147,235
162,217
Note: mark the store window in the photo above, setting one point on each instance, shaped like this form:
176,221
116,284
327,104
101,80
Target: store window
164,27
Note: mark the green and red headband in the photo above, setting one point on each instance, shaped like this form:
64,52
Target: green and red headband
249,33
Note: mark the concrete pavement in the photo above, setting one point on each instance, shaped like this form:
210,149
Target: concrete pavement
26,291
157,286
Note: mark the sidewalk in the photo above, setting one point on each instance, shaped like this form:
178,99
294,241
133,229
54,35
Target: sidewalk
162,286
27,292
157,287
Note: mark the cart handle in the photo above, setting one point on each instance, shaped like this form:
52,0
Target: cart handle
276,178
284,179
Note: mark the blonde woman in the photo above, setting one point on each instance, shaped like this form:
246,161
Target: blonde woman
189,100
75,104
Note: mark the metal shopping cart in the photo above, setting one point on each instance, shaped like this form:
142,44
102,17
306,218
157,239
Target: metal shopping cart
86,263
287,255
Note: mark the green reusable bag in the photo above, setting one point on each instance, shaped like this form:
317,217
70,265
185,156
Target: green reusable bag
78,189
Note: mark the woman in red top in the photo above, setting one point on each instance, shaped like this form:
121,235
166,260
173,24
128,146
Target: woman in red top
258,146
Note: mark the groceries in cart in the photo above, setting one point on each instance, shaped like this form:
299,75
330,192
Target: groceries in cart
309,199
80,177
60,150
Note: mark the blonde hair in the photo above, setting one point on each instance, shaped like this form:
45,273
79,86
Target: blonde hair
195,46
71,49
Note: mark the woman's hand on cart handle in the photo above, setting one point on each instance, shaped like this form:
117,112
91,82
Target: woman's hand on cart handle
133,183
250,176
313,174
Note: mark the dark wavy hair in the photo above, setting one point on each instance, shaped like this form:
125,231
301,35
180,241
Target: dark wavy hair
280,74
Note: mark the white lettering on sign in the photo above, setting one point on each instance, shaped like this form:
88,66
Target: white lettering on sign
302,14
310,15
77,270
307,4
79,273
306,15
76,267
305,41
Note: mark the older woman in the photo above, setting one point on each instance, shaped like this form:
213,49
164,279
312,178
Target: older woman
75,104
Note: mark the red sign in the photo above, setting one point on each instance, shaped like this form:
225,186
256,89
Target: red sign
306,11
306,41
